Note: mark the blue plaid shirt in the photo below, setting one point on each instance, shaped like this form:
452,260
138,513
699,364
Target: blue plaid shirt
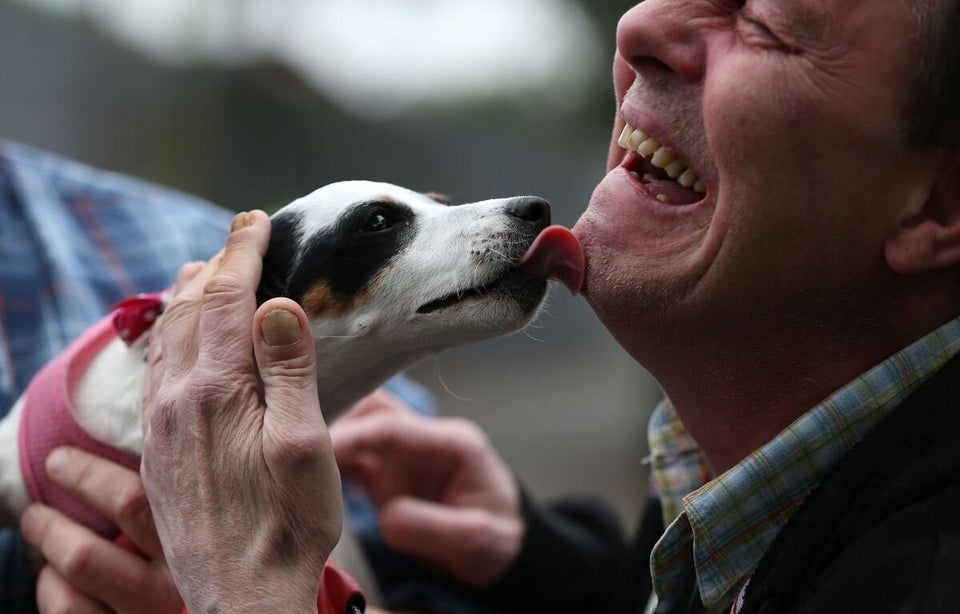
73,241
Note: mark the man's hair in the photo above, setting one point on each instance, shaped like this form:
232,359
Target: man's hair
933,109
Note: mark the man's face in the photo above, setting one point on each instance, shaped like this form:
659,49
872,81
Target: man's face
787,116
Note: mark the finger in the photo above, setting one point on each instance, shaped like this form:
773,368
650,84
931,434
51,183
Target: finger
378,401
388,432
111,489
229,296
286,361
186,273
55,594
389,455
86,560
177,329
470,544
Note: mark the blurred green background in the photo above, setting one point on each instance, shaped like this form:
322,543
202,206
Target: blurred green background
252,103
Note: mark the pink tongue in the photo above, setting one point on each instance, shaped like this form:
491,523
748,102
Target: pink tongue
555,254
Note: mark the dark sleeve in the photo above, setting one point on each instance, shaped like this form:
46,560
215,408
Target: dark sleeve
634,584
569,561
570,554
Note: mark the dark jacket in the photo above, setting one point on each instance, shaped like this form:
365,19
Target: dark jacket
882,533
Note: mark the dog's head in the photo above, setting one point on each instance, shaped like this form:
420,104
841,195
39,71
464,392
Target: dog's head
388,275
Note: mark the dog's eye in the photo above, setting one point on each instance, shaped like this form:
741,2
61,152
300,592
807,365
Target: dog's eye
377,221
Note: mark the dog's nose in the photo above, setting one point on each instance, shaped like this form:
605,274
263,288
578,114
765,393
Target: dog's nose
530,209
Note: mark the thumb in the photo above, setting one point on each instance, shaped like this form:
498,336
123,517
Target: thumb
284,350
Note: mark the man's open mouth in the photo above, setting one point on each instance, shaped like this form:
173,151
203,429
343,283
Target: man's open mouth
667,177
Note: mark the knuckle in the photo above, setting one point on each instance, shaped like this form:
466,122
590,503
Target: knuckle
180,305
296,373
189,271
141,581
478,533
77,559
221,286
303,448
83,475
131,501
162,423
468,433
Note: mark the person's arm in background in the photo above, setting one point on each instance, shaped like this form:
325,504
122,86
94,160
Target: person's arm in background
446,498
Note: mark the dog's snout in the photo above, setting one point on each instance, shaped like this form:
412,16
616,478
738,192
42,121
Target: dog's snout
530,209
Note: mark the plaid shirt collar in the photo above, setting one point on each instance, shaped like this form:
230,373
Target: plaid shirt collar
727,525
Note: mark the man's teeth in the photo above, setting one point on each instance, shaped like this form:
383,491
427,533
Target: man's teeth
649,148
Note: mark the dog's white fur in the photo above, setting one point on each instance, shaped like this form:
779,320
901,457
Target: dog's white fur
448,250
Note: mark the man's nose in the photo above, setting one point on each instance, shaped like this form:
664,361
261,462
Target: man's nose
659,39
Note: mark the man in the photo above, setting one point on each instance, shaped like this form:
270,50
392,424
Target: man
795,295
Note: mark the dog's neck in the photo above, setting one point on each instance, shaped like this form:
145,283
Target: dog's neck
350,368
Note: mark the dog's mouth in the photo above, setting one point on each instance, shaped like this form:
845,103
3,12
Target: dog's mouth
554,254
504,286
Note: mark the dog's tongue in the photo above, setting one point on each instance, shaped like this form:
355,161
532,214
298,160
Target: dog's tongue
555,254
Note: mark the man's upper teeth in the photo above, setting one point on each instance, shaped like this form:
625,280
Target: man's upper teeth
650,149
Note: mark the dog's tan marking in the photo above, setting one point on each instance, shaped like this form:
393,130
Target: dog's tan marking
319,302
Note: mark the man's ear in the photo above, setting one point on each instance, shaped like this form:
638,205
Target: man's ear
928,236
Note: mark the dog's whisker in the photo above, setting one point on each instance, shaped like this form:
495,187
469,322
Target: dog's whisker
528,335
437,372
502,255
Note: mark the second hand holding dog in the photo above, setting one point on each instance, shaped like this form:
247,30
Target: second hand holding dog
443,495
235,442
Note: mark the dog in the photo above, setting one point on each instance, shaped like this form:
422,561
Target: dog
386,276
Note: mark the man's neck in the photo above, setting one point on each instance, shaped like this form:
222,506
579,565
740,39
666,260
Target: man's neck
736,397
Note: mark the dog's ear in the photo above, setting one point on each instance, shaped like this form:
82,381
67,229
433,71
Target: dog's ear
280,259
443,199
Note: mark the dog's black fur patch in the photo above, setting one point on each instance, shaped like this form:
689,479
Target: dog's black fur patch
280,258
345,258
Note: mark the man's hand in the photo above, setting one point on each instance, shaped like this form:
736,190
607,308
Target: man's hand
83,571
444,495
237,462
